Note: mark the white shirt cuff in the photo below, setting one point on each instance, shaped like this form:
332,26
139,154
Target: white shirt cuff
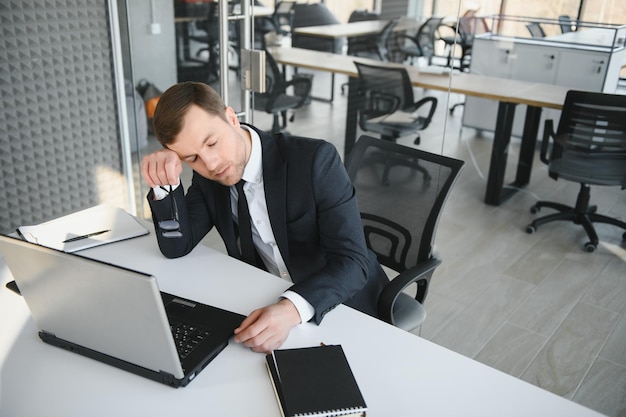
160,193
305,309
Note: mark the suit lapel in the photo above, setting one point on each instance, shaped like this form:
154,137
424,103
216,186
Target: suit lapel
275,179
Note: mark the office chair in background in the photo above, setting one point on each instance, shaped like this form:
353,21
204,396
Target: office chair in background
377,47
387,105
372,47
208,34
400,221
278,25
535,29
589,147
277,100
422,44
566,24
468,26
282,18
359,43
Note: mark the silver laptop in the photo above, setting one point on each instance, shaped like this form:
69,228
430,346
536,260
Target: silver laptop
116,315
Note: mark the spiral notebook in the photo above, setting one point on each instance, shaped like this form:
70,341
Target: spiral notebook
315,382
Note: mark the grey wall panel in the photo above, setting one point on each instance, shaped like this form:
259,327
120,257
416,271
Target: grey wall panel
59,137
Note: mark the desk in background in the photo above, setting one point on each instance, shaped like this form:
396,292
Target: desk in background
354,29
508,93
334,33
399,373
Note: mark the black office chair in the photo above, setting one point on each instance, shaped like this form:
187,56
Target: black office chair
566,24
468,26
387,105
280,23
400,221
277,100
589,147
377,47
208,34
422,44
282,18
535,29
361,43
372,47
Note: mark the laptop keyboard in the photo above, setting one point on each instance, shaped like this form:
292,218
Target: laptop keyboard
187,337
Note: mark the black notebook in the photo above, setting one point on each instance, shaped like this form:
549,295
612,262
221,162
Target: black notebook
315,381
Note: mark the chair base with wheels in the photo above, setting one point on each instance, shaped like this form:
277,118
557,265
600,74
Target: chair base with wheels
582,214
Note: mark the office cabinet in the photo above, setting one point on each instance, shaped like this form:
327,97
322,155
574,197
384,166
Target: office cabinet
589,59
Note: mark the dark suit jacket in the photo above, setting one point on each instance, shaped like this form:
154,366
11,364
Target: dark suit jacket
315,219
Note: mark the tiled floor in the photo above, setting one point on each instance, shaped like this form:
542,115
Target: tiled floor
537,306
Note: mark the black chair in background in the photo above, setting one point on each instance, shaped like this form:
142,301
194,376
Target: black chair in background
566,24
208,33
359,43
377,47
280,23
468,26
535,29
316,14
387,105
277,99
400,221
422,44
589,147
282,18
465,29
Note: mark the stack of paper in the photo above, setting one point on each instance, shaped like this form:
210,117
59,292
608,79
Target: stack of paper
84,229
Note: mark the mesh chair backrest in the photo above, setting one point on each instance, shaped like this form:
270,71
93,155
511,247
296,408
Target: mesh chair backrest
594,121
362,16
535,29
383,36
273,76
427,34
390,81
283,17
592,128
565,22
406,198
470,25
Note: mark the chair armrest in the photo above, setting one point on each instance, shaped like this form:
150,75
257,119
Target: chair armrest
282,87
400,37
306,84
548,132
432,101
420,272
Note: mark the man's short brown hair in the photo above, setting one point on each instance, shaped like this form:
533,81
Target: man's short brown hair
174,103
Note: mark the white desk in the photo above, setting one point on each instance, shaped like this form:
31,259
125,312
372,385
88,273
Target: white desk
399,374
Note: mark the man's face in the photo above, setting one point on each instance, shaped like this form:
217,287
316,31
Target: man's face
214,148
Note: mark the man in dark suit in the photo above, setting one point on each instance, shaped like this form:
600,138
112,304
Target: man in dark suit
306,226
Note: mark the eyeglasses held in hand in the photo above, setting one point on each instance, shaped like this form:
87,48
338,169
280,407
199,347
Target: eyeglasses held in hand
171,228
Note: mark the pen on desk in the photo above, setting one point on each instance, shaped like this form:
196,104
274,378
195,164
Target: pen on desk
88,235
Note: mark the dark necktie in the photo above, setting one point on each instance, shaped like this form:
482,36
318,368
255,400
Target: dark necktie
248,254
